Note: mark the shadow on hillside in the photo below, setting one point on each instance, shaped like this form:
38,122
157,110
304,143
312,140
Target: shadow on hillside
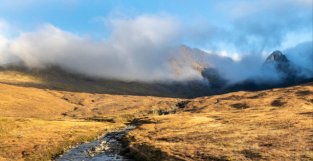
55,78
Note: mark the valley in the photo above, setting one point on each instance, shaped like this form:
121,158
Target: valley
39,123
131,80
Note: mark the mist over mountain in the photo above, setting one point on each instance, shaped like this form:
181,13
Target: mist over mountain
158,80
302,55
278,62
215,74
148,47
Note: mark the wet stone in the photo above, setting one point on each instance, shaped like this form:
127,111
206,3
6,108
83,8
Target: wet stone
107,148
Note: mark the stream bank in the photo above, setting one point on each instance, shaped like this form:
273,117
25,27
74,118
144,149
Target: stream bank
107,148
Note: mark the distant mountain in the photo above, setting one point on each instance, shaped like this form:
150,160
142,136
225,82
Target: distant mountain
216,81
276,63
282,65
277,57
202,62
56,78
211,81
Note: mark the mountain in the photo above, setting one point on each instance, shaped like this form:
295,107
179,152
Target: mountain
211,79
285,72
276,64
41,123
290,72
56,78
282,65
277,57
44,112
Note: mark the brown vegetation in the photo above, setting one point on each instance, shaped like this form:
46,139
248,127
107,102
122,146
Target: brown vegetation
37,123
274,125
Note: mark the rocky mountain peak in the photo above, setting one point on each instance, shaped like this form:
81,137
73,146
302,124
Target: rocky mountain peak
276,56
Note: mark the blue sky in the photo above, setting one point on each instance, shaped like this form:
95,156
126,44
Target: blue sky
134,39
86,16
201,16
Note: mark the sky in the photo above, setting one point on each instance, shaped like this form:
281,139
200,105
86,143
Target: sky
233,28
87,17
90,18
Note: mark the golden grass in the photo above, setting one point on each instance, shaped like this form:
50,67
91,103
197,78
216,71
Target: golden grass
33,139
30,102
105,105
37,124
235,126
18,77
58,79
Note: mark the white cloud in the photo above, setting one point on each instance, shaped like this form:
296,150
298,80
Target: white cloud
138,49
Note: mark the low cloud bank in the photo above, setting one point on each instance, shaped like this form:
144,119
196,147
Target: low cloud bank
143,48
138,49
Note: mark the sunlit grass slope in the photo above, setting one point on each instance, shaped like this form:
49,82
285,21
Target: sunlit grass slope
39,122
267,125
34,139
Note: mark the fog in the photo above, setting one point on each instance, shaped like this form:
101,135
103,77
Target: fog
137,49
141,48
257,29
302,56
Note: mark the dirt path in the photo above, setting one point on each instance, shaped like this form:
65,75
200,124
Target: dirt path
106,148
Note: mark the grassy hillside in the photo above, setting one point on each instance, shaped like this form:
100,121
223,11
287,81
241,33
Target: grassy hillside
37,122
57,79
32,126
267,125
36,139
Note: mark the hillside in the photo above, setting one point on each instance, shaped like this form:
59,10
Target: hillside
113,80
37,122
56,78
266,125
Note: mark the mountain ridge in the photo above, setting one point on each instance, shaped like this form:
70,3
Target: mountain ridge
213,82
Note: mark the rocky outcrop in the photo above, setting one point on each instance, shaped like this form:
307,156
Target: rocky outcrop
279,62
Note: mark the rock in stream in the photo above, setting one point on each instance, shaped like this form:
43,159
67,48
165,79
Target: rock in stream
107,148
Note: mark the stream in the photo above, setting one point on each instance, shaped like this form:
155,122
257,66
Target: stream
107,148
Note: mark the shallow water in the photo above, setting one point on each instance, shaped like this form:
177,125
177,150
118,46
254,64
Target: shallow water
107,148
